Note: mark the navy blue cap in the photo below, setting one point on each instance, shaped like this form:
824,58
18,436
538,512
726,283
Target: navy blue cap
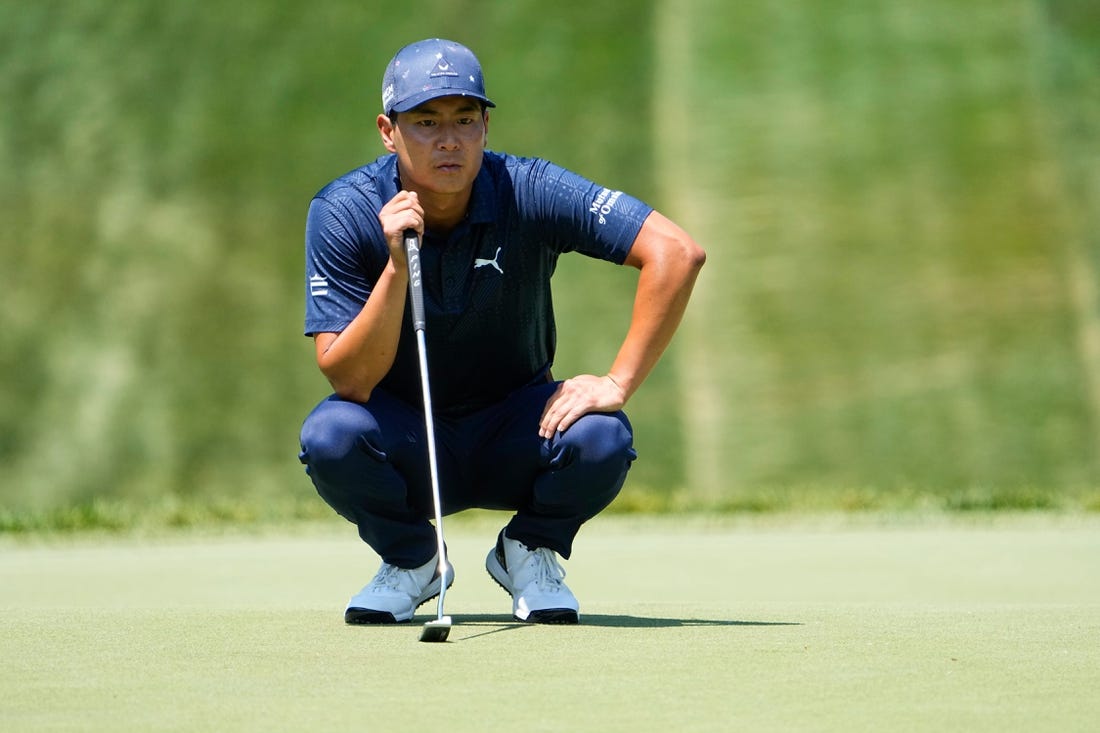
428,69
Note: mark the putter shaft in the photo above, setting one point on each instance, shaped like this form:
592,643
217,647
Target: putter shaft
439,629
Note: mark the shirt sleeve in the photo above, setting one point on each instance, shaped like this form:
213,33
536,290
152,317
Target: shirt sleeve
586,217
340,268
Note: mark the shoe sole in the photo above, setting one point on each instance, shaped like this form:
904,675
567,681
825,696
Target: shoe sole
554,616
369,617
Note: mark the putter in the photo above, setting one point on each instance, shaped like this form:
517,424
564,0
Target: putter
440,628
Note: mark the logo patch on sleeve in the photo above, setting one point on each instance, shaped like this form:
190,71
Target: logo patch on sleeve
318,285
603,203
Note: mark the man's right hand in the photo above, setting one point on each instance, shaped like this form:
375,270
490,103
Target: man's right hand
402,212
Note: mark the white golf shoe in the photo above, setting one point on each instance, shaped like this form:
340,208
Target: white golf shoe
534,579
395,593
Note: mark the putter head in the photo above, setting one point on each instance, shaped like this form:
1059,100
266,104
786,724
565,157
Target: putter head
436,630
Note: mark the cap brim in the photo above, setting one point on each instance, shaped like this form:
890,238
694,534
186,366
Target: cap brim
420,98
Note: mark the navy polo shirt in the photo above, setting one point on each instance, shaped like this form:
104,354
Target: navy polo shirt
490,320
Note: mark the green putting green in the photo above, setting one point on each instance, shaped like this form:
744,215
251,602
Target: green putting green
787,624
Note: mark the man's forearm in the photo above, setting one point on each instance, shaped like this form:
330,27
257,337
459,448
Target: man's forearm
659,305
669,261
355,360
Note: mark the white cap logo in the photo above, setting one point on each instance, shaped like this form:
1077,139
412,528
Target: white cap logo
442,68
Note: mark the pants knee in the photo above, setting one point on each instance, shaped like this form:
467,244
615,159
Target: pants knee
335,431
600,439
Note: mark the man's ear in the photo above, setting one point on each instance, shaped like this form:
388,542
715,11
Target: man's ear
385,130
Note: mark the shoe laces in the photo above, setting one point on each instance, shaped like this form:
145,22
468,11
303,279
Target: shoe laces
388,577
548,573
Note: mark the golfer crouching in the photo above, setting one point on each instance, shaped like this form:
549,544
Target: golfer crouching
509,434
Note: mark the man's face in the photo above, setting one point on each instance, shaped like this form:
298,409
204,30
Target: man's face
439,145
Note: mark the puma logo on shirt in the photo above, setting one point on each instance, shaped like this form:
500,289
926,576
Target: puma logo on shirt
481,262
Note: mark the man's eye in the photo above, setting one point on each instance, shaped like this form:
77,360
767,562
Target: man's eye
426,123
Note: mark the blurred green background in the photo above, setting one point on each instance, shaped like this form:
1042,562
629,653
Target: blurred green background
900,200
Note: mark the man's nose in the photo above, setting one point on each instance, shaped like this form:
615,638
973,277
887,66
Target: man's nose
449,138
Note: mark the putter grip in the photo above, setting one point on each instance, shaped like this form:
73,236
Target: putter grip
416,287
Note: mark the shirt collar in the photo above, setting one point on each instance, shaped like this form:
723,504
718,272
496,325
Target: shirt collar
390,182
481,208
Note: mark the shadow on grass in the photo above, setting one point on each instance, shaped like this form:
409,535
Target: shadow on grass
502,622
649,622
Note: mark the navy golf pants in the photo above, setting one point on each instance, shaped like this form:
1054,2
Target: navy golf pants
369,461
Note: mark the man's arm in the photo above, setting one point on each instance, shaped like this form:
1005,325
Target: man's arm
355,360
669,261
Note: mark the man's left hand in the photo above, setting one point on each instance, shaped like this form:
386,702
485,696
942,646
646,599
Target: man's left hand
577,397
